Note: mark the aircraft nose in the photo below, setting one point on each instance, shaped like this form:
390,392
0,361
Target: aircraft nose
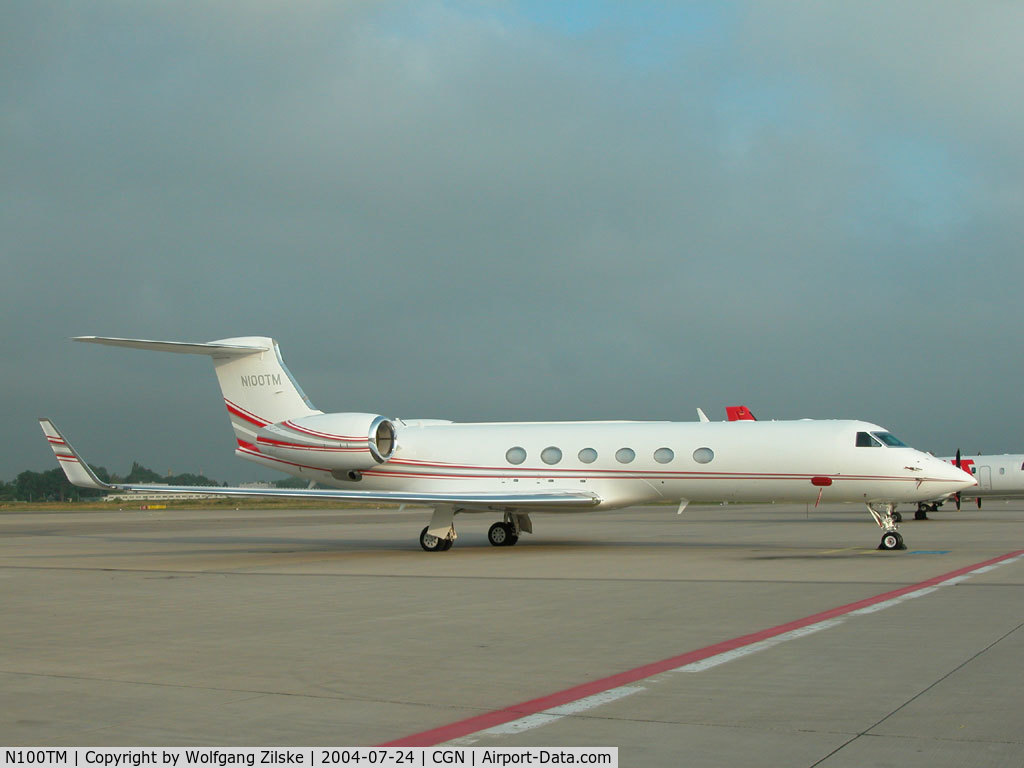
958,477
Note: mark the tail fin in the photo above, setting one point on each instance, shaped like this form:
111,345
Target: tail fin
739,413
257,387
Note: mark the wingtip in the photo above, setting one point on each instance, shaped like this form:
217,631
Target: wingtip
69,460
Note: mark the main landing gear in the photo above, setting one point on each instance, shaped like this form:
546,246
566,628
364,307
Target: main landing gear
432,543
885,515
507,532
923,508
440,534
502,535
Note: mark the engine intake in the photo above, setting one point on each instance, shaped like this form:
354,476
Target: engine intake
343,443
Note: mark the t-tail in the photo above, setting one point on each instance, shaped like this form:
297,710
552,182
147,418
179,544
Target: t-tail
258,388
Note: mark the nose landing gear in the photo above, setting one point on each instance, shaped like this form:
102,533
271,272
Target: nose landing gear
884,515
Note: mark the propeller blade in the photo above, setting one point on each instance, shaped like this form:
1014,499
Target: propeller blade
978,502
956,497
957,462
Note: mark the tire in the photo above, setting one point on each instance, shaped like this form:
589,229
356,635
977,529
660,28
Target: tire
433,543
891,540
501,535
897,517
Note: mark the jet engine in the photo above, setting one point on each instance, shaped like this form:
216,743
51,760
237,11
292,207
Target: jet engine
341,443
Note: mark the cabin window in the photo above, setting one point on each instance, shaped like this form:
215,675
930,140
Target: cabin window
664,455
515,455
587,455
864,440
625,455
551,455
703,455
889,439
1002,470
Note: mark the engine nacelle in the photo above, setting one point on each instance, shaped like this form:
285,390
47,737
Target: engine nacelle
341,443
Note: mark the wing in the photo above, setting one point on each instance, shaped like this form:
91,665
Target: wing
79,473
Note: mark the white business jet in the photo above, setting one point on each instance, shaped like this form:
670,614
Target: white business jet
514,469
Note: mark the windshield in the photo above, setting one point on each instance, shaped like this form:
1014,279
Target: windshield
864,440
889,439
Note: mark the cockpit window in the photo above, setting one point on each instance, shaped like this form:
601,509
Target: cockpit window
889,439
864,440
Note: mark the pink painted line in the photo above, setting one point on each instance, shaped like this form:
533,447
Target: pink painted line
497,717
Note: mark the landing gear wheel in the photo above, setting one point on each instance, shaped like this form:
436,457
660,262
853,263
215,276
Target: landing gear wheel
502,535
891,540
921,514
897,517
432,543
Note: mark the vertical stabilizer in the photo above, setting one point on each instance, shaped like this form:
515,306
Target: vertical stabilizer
258,388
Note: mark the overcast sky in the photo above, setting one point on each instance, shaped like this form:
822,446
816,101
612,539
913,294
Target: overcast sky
511,211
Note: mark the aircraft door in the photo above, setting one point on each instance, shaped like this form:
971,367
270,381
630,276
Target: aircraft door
984,477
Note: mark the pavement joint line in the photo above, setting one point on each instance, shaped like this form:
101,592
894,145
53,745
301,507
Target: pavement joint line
867,731
422,576
248,693
548,709
252,571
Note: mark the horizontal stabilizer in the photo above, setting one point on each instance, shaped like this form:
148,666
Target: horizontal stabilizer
211,348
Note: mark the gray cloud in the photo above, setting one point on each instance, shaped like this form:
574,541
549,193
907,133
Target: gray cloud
481,212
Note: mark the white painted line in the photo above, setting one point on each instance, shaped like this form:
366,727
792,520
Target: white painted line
761,645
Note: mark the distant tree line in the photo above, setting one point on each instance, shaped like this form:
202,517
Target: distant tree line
52,485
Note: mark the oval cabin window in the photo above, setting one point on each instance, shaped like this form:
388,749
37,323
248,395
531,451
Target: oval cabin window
703,455
551,455
515,455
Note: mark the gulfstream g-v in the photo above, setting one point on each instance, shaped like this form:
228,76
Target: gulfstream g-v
513,469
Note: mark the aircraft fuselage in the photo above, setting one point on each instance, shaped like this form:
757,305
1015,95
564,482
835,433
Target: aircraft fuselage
626,463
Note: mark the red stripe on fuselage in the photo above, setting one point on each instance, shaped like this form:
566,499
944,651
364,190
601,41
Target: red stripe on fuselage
647,473
326,435
244,414
300,447
248,448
